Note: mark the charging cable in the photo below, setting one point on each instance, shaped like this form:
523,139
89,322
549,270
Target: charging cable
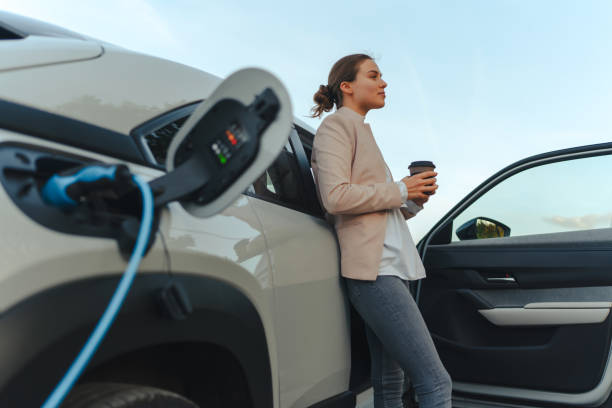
79,364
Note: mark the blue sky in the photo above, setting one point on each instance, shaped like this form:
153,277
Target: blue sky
473,85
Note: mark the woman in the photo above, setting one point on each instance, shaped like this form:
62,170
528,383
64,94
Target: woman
378,255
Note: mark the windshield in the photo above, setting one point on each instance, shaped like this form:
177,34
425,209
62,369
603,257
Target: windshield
19,26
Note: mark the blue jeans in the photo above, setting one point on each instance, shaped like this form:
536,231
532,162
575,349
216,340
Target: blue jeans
399,343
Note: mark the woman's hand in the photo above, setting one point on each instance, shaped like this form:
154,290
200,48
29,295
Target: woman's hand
417,185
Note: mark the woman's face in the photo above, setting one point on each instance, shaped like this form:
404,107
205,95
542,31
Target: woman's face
368,88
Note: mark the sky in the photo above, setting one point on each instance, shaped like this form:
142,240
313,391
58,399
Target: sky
473,85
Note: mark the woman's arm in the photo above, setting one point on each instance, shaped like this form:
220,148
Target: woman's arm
406,213
333,148
409,208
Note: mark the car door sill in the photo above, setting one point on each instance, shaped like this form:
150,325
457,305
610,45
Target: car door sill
465,402
592,398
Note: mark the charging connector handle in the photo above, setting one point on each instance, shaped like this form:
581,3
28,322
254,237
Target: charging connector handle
66,189
79,364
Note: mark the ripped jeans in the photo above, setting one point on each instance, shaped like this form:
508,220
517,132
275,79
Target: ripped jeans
399,343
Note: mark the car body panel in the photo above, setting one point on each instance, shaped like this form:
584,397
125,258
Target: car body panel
311,310
120,90
117,91
230,247
34,51
35,258
33,247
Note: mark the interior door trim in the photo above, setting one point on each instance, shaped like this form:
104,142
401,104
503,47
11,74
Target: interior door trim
592,398
548,313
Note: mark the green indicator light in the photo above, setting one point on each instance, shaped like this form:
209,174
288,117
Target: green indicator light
222,158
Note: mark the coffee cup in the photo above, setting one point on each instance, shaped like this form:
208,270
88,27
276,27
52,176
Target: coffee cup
417,167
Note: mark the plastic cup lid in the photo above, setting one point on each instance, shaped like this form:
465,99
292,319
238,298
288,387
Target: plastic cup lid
422,164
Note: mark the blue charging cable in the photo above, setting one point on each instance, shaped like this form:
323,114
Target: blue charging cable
79,364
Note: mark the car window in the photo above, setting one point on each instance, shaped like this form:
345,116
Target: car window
281,182
24,26
569,195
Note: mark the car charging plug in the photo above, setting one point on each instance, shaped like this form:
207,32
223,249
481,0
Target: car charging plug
100,194
68,189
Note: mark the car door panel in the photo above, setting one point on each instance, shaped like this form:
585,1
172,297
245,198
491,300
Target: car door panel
522,319
567,358
474,349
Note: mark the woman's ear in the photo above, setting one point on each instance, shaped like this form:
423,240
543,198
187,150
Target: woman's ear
346,87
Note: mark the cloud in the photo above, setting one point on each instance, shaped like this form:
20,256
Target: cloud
583,222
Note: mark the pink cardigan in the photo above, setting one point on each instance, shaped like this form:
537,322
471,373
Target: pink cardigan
349,172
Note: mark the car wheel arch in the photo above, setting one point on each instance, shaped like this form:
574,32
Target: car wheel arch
50,327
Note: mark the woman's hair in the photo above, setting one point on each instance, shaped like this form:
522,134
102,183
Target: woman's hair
345,69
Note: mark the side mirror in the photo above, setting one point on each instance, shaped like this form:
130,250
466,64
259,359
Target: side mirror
227,143
482,227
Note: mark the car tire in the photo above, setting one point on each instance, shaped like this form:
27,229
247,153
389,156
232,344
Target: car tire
106,395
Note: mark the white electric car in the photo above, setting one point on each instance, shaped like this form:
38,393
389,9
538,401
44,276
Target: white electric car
517,296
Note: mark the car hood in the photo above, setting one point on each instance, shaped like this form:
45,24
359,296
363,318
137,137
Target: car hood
34,51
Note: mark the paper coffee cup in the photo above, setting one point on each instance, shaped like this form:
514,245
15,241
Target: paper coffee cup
417,167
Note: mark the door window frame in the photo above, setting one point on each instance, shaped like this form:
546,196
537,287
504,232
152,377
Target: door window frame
440,233
305,178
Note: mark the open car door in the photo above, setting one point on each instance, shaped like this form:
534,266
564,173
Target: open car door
519,284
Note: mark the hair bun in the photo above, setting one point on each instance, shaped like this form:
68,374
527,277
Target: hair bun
324,99
328,92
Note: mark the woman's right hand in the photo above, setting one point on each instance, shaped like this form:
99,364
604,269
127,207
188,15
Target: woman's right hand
417,187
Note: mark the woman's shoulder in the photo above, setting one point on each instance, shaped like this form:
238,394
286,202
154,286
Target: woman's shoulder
336,122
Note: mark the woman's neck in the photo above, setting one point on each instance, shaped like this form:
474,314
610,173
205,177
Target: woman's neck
355,107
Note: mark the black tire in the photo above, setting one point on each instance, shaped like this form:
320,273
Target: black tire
114,395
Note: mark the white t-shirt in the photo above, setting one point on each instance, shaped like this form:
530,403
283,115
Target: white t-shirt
400,256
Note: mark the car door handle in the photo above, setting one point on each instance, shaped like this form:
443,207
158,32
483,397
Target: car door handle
504,279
